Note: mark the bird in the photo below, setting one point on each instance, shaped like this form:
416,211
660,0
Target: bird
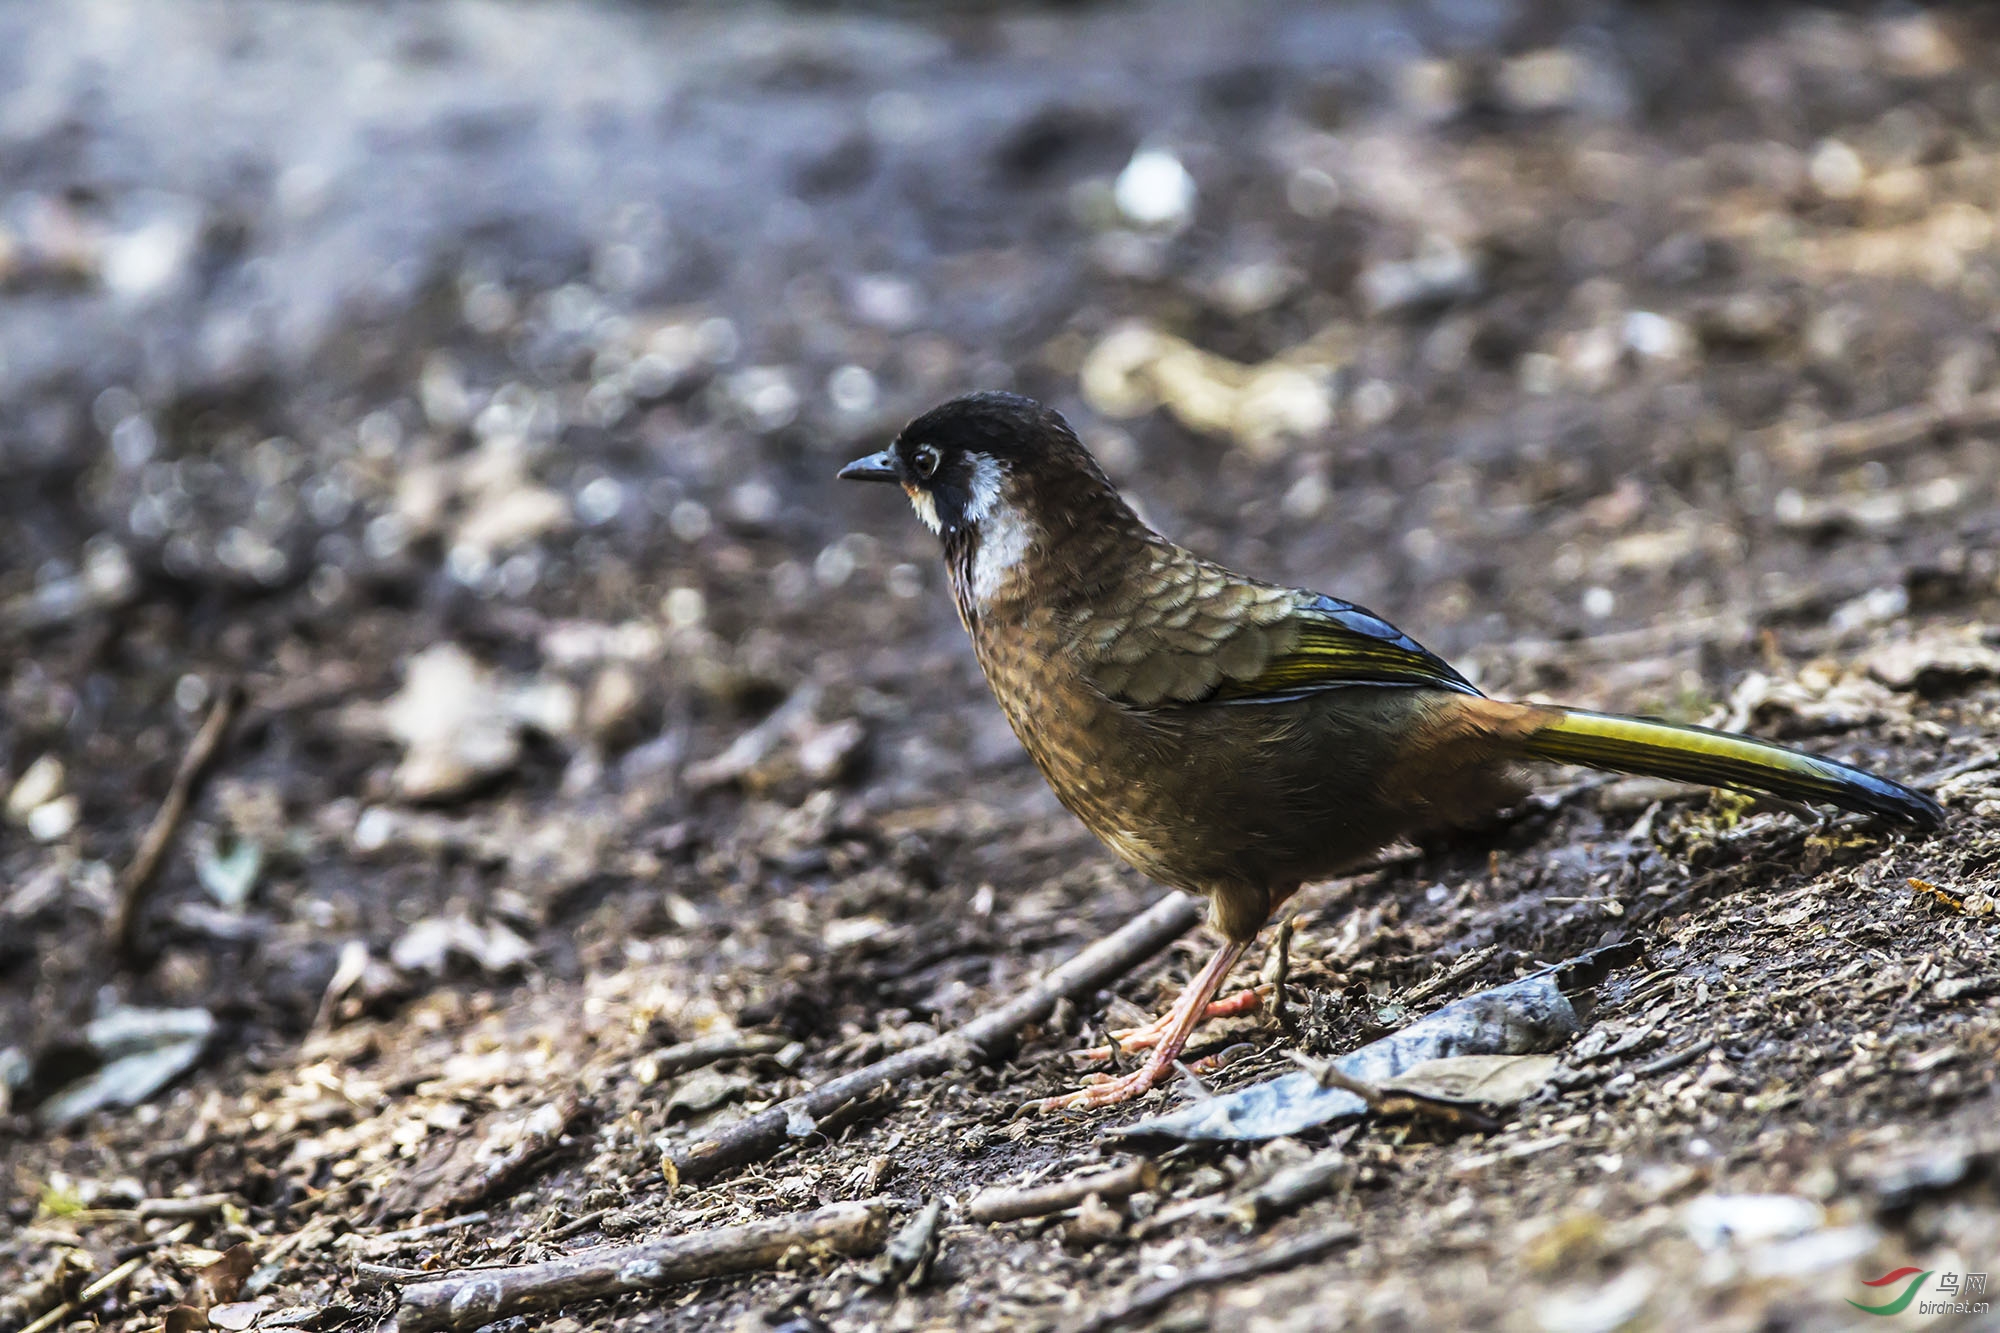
1238,738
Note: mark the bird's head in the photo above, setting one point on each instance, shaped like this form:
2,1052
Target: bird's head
981,462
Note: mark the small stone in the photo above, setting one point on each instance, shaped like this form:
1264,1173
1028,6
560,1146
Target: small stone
1716,1221
55,820
1836,170
1155,190
1434,90
1547,80
1656,337
611,709
1441,272
40,784
513,517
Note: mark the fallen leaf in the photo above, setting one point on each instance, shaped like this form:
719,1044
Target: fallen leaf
223,1279
1493,1080
235,1315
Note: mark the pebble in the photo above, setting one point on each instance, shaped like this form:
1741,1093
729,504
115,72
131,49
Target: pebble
1155,190
1716,1221
54,820
1442,271
39,784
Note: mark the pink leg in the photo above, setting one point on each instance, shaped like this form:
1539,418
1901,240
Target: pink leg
1148,1035
1178,1024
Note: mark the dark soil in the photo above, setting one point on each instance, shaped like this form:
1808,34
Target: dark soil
1659,347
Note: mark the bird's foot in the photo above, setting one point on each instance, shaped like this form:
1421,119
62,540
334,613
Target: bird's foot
1104,1090
1149,1035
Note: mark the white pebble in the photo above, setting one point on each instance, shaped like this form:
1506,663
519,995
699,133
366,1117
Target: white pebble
684,608
690,520
385,536
40,784
1836,170
373,830
1155,190
134,441
1311,193
190,693
468,564
600,500
53,820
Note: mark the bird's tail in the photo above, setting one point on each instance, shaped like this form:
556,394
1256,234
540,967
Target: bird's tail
1719,759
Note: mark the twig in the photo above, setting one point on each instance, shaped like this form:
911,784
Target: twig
611,1270
1002,1204
1976,764
1330,1075
542,1134
1466,965
758,1136
1673,1060
391,1240
1292,1188
1251,1260
200,1205
134,884
704,1051
578,1225
1675,635
1848,442
50,1318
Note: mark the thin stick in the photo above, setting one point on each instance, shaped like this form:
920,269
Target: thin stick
1251,1260
50,1318
1673,1060
541,1135
704,1051
758,1136
1003,1204
391,1240
612,1270
159,835
1891,432
200,1205
1446,977
576,1226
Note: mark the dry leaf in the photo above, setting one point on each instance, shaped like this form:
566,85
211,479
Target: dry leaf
219,1282
1493,1080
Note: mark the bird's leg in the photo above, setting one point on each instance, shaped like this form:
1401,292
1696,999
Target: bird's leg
1149,1034
1178,1024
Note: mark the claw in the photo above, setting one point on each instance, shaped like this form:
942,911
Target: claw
1167,1036
1148,1036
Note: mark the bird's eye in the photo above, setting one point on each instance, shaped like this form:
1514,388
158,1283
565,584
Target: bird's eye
925,460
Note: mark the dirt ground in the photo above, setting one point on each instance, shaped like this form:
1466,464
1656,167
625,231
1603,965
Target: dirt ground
469,400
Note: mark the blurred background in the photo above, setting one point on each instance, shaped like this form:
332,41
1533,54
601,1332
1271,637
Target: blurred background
463,382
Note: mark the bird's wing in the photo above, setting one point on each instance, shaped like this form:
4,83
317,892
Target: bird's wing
1197,635
1340,644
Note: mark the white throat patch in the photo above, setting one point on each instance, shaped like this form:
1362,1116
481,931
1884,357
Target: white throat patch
1004,532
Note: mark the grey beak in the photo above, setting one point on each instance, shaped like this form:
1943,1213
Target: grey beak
875,467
